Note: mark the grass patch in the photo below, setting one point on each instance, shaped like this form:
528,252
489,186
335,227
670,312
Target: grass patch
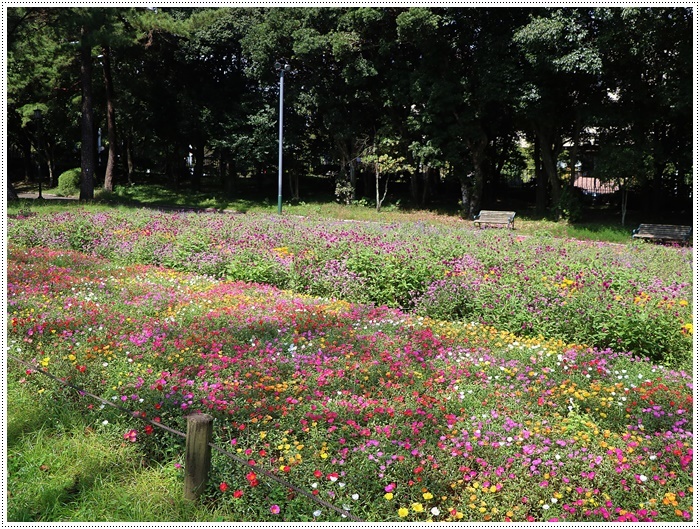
66,466
322,206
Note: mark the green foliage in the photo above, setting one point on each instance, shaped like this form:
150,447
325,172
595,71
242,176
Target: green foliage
69,182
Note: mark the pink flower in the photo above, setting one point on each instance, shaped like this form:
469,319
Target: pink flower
275,509
130,436
390,487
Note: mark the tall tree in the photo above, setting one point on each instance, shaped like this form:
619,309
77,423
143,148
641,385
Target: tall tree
463,82
648,65
563,60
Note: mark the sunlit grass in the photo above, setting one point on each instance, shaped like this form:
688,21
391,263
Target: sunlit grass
158,196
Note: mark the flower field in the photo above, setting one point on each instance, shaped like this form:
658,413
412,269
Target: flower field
634,298
391,414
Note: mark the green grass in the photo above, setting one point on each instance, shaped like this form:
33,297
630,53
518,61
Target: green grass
157,196
63,468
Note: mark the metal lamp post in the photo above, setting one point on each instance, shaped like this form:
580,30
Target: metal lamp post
281,68
37,121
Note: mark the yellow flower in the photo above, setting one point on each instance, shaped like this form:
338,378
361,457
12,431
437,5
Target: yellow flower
417,507
389,496
403,512
427,496
45,362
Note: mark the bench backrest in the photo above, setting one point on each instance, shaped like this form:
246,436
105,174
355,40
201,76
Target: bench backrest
503,216
663,231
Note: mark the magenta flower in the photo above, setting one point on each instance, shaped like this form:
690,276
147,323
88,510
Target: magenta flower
275,509
131,436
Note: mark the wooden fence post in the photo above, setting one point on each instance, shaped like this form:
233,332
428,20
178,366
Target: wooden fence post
197,454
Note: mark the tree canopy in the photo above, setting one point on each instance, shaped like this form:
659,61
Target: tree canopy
465,98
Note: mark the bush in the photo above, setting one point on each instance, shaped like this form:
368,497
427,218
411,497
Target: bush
69,182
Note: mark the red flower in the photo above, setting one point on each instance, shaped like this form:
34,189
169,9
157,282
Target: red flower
237,493
318,473
148,429
252,479
223,487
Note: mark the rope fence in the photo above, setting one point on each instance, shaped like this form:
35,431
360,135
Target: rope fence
198,447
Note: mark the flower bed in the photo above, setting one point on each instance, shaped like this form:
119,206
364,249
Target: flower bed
391,415
629,298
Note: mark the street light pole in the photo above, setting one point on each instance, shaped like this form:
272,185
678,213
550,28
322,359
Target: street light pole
281,68
37,121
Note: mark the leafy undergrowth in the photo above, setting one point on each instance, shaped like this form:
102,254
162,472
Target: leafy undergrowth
389,415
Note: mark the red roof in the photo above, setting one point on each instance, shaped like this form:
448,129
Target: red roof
593,185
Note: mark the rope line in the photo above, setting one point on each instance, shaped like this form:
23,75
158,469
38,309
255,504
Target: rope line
237,459
81,392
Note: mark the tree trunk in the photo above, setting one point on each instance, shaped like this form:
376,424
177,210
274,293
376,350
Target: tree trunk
11,192
293,184
353,180
128,146
27,161
198,172
426,185
415,185
540,181
51,165
465,189
87,142
624,202
477,149
111,121
376,183
550,146
574,153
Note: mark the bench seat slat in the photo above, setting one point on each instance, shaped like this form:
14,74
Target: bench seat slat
669,232
495,217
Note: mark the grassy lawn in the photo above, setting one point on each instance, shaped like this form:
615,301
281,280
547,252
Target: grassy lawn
154,196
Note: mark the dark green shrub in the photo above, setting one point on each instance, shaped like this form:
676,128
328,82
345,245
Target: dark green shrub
69,182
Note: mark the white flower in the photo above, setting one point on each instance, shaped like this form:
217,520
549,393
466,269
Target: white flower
105,422
317,513
554,500
434,511
642,477
355,497
545,506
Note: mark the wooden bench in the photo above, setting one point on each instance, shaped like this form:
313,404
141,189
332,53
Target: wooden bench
663,232
490,218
